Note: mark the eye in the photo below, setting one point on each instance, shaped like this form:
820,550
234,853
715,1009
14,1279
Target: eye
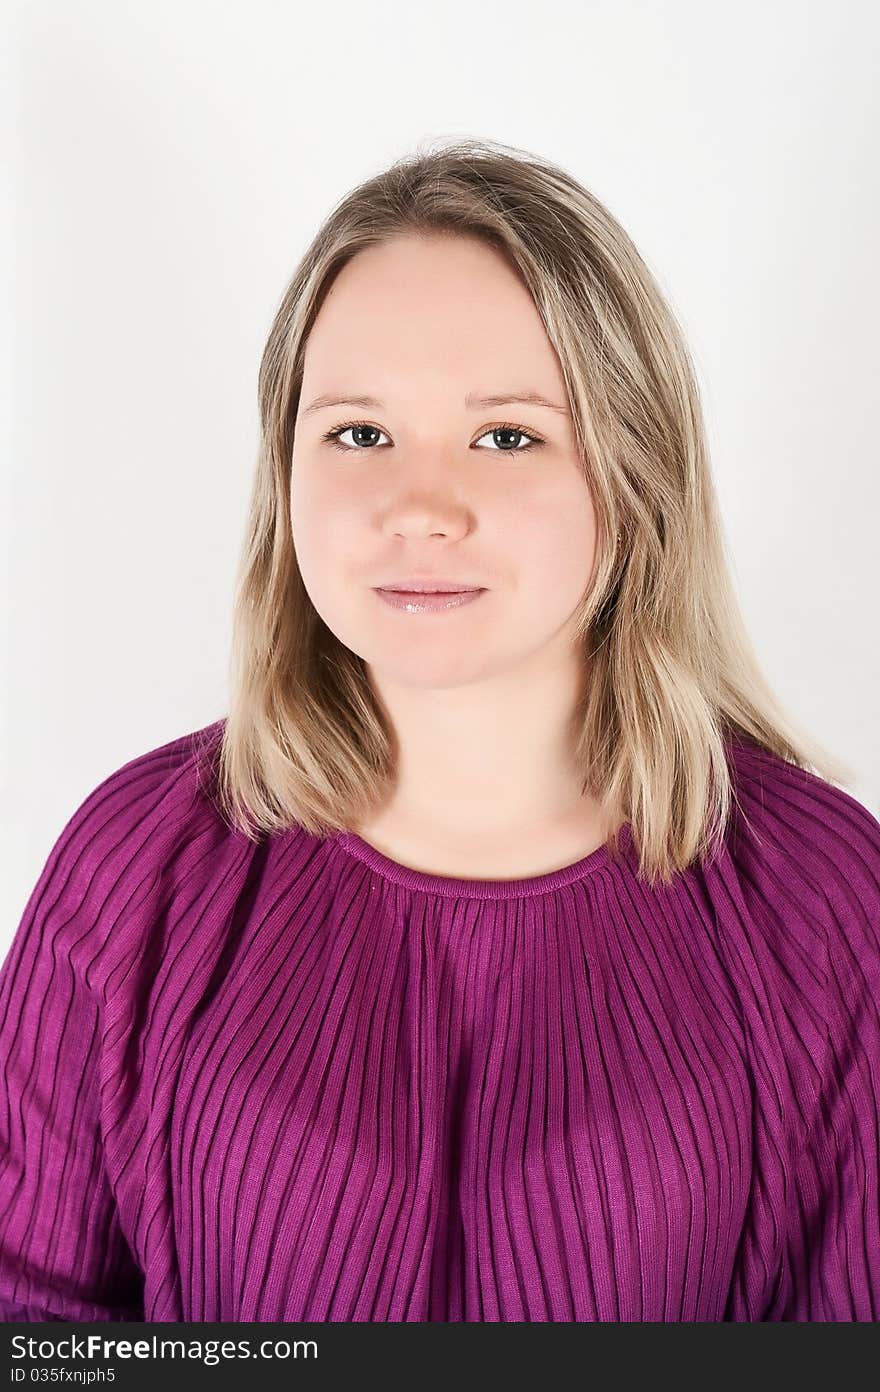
333,437
505,446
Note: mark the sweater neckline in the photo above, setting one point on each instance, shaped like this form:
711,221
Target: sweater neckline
456,888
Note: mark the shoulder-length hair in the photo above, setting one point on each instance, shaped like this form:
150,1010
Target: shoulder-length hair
672,673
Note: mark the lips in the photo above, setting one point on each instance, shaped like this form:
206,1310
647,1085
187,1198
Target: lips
429,587
427,601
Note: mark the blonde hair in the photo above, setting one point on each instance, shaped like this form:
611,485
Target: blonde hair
672,673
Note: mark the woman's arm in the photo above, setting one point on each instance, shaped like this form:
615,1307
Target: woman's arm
63,1254
832,1267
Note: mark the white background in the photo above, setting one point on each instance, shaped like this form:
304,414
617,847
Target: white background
170,161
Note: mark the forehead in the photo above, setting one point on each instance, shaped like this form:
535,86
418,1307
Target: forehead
449,307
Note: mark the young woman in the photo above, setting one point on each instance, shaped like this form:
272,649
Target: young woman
507,955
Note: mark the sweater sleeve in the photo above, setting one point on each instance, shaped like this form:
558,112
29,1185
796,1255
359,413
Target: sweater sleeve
833,1233
63,1254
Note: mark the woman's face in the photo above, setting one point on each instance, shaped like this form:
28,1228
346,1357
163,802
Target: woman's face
431,481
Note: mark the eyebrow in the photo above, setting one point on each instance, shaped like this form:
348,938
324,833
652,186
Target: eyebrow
472,401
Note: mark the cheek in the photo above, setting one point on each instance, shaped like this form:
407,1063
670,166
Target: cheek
555,546
333,556
321,518
310,533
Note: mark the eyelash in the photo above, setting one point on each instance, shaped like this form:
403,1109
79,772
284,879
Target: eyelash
332,436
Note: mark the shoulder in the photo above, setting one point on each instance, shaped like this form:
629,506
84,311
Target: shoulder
145,842
133,823
799,896
807,859
170,780
801,826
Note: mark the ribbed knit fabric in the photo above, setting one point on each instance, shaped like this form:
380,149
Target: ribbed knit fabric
294,1080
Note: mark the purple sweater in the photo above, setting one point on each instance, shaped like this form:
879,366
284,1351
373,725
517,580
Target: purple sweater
295,1080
